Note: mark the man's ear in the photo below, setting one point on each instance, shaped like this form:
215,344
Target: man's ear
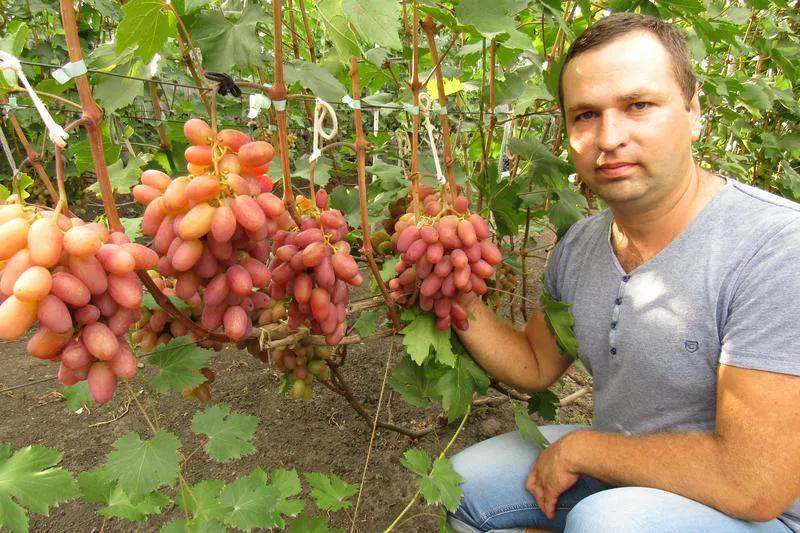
695,114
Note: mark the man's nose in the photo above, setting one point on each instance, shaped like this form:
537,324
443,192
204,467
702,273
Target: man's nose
613,132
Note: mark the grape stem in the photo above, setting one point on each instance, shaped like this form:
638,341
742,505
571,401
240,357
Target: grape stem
33,157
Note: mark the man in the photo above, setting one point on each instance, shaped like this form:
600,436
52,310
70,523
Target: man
685,294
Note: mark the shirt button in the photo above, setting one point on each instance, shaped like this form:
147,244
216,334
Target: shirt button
613,351
626,278
618,301
613,325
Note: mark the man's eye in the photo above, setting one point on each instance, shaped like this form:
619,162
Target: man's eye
641,106
584,116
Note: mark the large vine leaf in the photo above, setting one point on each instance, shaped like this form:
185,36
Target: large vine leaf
337,28
114,92
456,386
147,25
142,466
527,428
422,335
559,320
376,21
330,491
317,80
30,480
100,486
226,43
438,485
489,18
180,361
250,501
229,434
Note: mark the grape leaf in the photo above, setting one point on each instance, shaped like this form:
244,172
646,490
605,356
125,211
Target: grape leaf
441,484
29,476
77,396
250,500
148,302
4,192
302,170
114,92
142,466
527,428
180,361
387,270
229,434
559,320
565,212
376,21
489,18
287,482
120,505
455,388
318,524
330,492
225,43
133,228
345,199
25,181
82,151
203,503
421,335
366,323
337,29
409,380
544,403
122,177
316,79
146,25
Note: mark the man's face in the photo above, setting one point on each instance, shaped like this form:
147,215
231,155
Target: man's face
630,132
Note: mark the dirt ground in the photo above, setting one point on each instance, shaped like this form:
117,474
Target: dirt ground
322,435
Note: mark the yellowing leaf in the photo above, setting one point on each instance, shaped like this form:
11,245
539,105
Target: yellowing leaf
451,86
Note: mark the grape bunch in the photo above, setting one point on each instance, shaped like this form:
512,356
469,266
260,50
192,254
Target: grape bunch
506,281
211,228
312,265
77,281
302,363
446,255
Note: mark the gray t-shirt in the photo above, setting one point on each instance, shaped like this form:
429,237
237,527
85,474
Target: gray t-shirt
726,290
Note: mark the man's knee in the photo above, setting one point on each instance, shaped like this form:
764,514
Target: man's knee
609,511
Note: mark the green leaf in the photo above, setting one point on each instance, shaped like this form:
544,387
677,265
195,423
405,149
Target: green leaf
376,21
330,492
316,79
302,170
565,212
83,153
544,403
422,334
4,192
133,228
417,460
229,434
409,380
366,323
142,466
287,483
527,428
122,177
203,502
180,361
489,18
24,183
559,320
77,396
120,505
148,302
345,199
113,92
376,56
387,269
318,524
147,25
250,500
337,28
30,477
225,43
439,486
755,97
455,387
683,6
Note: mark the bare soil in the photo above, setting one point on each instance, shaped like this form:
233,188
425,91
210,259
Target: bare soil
321,435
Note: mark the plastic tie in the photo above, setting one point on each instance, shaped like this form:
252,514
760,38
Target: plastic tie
257,103
413,109
69,71
280,105
353,103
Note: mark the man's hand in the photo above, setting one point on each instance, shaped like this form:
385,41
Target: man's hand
551,475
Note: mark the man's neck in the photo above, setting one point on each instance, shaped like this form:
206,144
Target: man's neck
639,235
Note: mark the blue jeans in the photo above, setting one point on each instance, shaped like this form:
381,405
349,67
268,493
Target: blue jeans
495,498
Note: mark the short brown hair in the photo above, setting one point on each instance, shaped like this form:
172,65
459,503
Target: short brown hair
619,24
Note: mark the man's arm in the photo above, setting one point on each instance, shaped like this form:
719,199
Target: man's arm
528,360
748,468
